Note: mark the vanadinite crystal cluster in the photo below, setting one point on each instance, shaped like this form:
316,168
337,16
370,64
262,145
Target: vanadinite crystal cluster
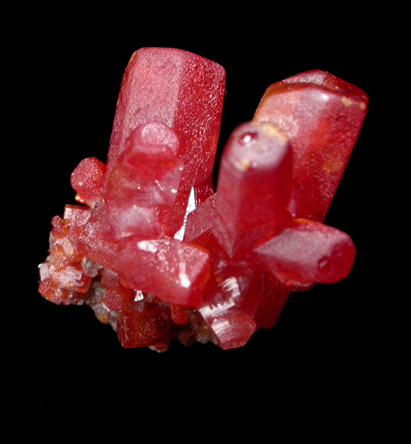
157,253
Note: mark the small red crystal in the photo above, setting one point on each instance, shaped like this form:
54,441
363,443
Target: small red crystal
157,253
306,252
88,180
173,270
142,329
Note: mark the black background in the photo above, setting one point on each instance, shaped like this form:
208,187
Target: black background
329,343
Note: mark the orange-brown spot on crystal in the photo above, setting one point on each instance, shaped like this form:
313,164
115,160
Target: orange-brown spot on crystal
54,293
346,101
46,288
271,130
331,165
61,227
103,317
245,164
79,199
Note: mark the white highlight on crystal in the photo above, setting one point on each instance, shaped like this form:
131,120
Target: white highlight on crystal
139,296
182,275
325,97
104,306
231,285
159,185
221,326
181,232
44,271
148,246
191,206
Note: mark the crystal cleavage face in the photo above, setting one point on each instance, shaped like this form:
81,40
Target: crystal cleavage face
157,253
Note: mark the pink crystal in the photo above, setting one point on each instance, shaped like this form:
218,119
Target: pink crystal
156,253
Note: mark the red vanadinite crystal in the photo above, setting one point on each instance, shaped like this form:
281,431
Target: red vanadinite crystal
159,255
322,116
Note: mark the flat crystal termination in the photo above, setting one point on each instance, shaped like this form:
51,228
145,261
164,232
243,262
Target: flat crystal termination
156,253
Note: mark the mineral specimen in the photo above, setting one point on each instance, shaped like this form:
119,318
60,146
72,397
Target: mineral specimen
156,253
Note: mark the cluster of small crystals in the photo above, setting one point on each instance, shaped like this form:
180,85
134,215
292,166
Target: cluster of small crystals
157,253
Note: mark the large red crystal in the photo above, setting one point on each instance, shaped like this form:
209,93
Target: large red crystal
322,116
156,253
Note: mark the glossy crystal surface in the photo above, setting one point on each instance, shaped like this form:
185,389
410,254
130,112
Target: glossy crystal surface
157,253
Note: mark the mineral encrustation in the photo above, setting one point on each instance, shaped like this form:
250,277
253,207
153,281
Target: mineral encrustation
157,253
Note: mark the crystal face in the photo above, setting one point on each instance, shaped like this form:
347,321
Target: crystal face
157,253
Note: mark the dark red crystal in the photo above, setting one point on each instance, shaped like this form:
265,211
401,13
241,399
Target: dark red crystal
156,253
